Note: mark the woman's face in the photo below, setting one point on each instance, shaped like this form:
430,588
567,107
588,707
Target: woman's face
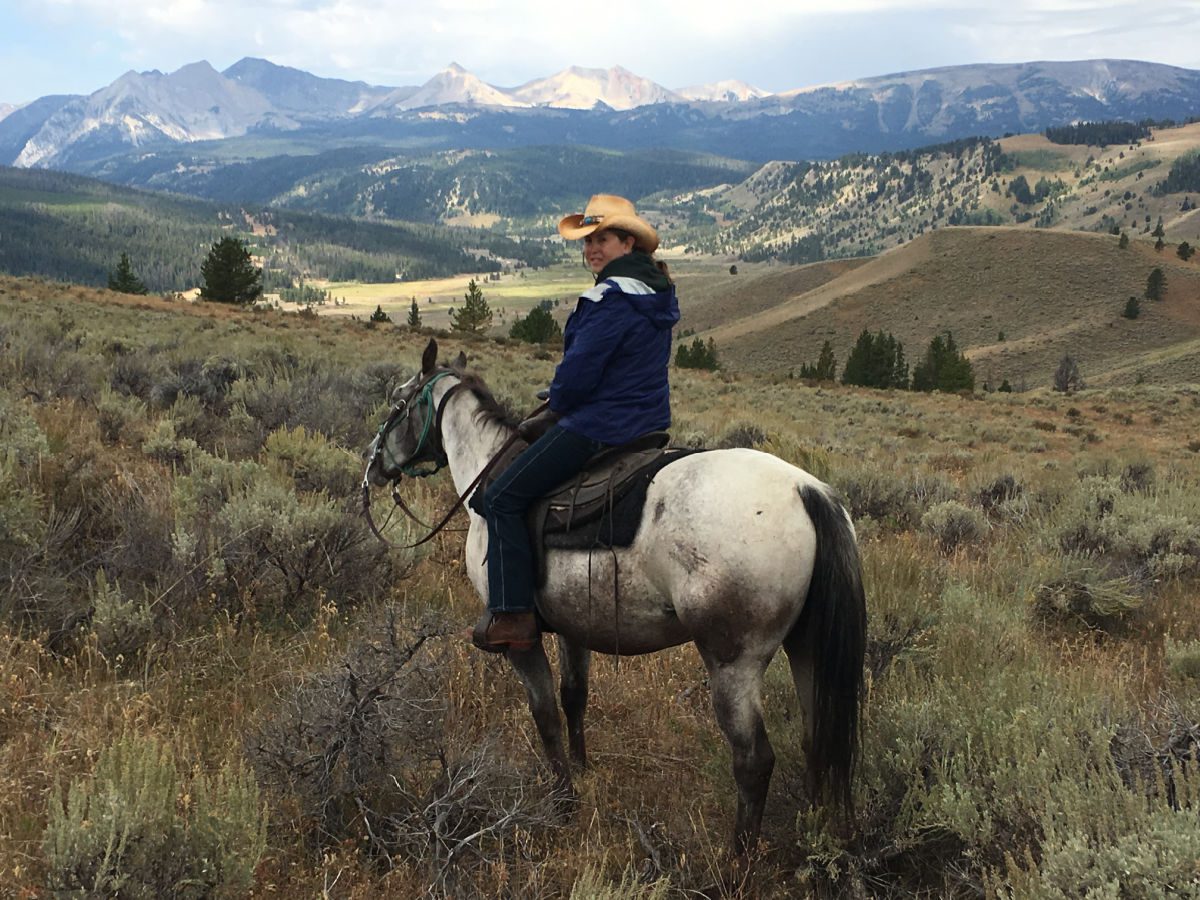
602,247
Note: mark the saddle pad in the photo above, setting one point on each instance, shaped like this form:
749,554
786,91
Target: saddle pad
619,526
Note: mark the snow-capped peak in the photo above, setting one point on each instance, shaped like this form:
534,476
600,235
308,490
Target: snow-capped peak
454,84
728,91
581,88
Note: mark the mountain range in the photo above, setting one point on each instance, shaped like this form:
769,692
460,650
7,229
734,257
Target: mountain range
272,107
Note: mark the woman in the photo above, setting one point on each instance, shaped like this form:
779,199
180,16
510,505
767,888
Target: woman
610,387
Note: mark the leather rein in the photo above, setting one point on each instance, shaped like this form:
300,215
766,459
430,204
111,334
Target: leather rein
398,414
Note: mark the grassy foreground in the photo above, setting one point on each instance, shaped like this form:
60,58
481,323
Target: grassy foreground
213,682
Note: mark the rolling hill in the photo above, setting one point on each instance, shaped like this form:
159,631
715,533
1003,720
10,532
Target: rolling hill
1016,300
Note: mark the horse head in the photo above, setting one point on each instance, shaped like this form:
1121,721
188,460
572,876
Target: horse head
410,436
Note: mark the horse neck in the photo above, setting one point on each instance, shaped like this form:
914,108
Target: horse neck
469,439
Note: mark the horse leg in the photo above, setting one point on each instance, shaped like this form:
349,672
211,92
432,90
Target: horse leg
534,671
737,701
574,662
800,651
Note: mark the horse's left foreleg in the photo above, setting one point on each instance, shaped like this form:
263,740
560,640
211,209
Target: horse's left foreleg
574,662
737,702
534,671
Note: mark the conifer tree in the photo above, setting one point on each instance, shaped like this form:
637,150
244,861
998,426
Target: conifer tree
538,327
229,274
123,280
1156,284
943,368
414,314
1185,251
379,315
475,316
1133,308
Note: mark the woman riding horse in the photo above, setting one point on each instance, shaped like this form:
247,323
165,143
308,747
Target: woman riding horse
610,388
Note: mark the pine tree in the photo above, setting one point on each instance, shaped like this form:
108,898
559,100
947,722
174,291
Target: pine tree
538,327
379,315
1184,251
1156,284
1124,241
475,316
123,280
1158,231
1133,308
229,275
698,356
826,368
414,314
943,368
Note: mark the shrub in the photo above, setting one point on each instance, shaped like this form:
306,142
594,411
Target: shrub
120,832
1183,658
954,524
1084,594
313,462
742,434
365,744
892,500
116,415
123,626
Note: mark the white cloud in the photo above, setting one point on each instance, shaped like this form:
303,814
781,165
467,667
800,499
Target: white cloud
778,43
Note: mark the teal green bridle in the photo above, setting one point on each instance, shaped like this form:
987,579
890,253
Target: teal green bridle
400,413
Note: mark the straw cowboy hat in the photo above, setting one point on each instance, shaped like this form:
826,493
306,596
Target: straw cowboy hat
610,211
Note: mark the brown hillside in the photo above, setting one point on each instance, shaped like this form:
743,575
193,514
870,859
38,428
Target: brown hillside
706,302
1049,293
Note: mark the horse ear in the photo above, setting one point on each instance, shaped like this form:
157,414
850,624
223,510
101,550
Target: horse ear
460,363
429,357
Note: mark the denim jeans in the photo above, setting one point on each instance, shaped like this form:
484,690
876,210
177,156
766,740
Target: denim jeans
549,461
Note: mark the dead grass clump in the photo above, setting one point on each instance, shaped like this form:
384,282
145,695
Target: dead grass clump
364,750
1089,598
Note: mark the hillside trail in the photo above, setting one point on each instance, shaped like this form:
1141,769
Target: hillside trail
884,267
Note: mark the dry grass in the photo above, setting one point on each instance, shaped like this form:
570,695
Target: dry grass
983,718
1048,293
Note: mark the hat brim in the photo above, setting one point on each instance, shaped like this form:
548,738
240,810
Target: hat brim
645,237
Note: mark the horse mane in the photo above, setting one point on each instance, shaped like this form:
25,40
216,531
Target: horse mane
490,409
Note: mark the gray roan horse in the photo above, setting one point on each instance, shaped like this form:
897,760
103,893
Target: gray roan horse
738,552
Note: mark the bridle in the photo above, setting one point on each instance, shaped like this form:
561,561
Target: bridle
429,443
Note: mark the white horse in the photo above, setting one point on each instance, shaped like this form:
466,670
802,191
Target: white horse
738,552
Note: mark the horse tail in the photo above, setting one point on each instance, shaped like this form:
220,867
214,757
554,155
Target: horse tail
833,629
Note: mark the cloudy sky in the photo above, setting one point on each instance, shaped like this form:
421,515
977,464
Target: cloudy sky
78,46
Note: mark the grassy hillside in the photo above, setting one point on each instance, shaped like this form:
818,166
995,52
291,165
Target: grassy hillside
203,648
1015,299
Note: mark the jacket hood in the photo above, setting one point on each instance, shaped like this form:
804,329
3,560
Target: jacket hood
661,308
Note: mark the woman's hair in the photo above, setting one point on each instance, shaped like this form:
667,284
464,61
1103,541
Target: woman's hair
622,234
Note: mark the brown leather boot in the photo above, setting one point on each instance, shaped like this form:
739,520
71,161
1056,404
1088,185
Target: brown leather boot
497,632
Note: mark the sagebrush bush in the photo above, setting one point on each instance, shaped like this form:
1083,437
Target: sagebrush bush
892,500
123,625
313,462
1182,659
119,417
954,525
1149,535
121,833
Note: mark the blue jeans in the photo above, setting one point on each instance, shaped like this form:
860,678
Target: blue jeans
547,463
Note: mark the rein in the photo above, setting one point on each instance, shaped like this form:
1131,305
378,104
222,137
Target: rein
399,413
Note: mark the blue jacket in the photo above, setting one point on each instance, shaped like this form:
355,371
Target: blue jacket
611,385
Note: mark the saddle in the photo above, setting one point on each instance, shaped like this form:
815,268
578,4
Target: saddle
601,506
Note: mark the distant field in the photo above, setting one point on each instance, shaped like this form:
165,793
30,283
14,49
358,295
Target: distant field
515,293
